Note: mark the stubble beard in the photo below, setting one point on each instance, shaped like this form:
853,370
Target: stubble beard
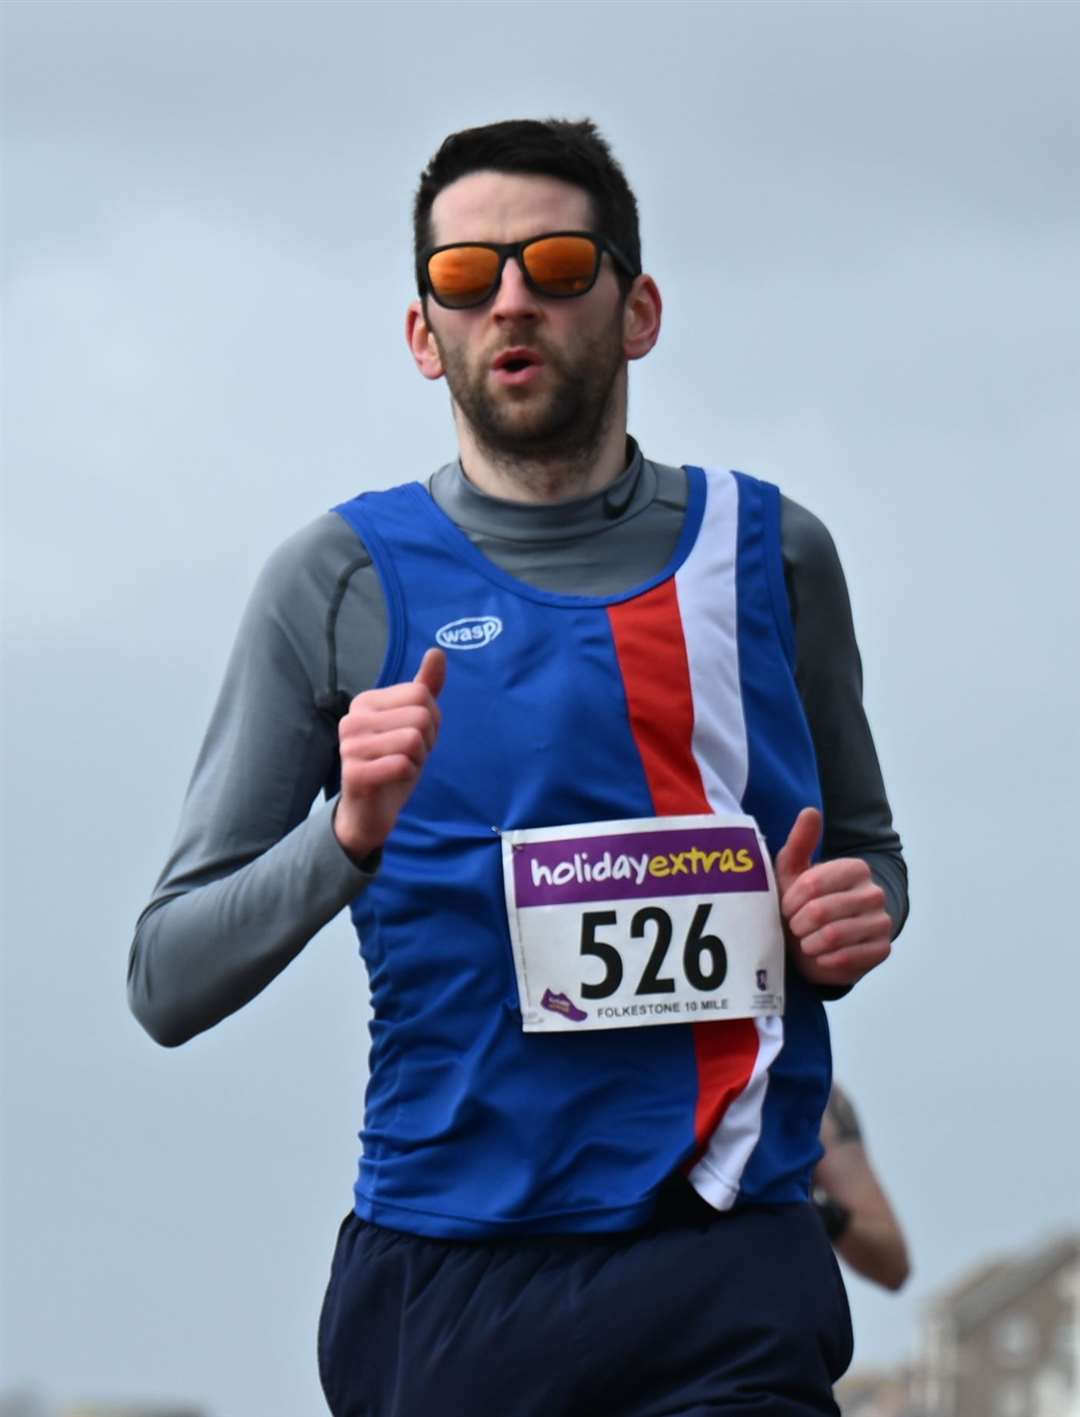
532,437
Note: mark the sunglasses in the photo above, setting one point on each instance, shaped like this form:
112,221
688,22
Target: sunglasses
559,265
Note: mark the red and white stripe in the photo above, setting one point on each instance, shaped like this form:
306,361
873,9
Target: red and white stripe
678,653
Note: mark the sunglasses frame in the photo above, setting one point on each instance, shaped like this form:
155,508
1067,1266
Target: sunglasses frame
505,249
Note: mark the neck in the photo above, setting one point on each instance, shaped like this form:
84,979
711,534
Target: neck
549,476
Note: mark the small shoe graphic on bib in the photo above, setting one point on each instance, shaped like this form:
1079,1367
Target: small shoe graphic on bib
562,1004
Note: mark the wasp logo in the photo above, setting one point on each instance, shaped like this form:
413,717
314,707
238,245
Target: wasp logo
470,632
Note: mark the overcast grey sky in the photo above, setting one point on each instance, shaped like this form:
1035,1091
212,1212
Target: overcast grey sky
864,220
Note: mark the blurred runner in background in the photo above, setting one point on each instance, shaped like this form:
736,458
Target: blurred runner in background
852,1203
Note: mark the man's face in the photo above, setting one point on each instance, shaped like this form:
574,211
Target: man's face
571,351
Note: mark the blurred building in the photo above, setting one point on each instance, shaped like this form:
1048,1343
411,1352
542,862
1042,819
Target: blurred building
97,1410
880,1392
32,1404
1002,1341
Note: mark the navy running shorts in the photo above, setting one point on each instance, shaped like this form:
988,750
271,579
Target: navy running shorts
742,1313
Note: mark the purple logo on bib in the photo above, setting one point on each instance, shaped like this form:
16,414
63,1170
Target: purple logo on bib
636,865
562,1004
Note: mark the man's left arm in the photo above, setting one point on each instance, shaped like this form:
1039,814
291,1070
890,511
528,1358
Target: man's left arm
843,912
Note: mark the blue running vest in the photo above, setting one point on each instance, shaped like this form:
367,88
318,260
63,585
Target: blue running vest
676,697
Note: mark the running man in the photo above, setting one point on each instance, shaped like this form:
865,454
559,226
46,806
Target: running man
589,727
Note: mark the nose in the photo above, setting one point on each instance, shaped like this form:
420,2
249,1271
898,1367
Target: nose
513,299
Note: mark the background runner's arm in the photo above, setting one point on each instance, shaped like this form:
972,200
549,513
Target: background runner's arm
252,876
828,671
848,1190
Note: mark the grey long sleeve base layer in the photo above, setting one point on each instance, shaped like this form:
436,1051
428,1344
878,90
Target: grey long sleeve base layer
254,873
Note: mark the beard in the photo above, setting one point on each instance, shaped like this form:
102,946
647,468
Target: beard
564,423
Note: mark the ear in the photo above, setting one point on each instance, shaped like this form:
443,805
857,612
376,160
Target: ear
641,317
422,342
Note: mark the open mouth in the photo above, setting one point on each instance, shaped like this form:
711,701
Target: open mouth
516,362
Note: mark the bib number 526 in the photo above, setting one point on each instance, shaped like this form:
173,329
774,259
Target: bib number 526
704,958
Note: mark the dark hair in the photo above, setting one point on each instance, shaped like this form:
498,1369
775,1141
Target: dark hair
574,152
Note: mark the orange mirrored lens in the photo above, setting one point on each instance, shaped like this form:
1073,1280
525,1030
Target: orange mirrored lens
463,275
561,265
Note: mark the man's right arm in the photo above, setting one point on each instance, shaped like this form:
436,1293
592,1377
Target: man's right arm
252,876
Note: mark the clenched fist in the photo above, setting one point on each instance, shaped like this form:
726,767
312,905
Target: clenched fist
385,739
834,912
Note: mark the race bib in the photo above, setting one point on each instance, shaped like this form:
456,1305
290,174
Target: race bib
632,923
